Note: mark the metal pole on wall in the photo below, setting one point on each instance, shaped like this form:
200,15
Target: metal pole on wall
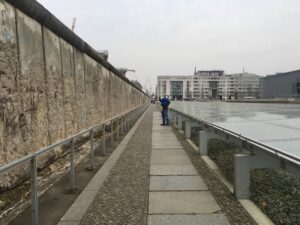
118,128
111,132
72,165
92,149
103,140
34,192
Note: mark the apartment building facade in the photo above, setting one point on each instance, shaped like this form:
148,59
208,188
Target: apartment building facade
212,84
176,87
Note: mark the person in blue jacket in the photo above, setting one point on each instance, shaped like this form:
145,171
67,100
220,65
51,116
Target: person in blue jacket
164,102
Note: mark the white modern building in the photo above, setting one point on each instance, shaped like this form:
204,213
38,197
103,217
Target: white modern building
212,84
245,85
176,87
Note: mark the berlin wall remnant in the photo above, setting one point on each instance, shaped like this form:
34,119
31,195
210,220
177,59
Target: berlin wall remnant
50,89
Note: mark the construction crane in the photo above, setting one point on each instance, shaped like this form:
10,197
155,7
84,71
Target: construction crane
73,24
146,83
123,71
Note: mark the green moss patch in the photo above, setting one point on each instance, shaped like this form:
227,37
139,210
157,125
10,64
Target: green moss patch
222,152
276,193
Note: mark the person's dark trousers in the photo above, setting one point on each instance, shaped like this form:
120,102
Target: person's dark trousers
164,114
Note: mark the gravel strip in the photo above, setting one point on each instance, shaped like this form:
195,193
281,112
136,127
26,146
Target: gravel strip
123,198
234,211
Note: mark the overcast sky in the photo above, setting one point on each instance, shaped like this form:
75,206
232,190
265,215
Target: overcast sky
171,37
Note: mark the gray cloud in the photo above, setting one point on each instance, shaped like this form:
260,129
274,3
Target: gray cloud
172,36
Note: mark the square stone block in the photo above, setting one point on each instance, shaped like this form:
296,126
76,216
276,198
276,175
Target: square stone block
155,141
163,134
177,183
194,219
168,152
166,142
172,170
170,160
166,147
183,202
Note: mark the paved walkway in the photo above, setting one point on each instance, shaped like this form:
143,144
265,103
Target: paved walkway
151,180
177,194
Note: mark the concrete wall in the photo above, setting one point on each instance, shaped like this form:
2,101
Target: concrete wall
48,89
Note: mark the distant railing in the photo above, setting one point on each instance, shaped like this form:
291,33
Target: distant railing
261,155
124,121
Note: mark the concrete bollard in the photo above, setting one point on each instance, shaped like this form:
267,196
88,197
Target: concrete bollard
204,137
171,115
175,119
181,119
243,164
188,128
203,140
242,175
179,122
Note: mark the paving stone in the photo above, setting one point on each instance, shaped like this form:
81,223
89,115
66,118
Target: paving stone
170,160
177,183
166,146
184,202
161,134
166,143
161,131
167,152
172,170
163,138
197,219
167,149
156,141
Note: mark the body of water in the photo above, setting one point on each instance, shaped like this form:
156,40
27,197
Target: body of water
277,125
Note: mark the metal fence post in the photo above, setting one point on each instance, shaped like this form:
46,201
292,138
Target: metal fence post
118,128
112,132
103,140
34,192
123,124
72,165
92,148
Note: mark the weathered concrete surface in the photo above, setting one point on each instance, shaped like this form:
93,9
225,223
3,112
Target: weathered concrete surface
172,170
167,152
183,202
80,95
32,84
197,219
177,183
54,86
170,160
49,90
10,140
68,76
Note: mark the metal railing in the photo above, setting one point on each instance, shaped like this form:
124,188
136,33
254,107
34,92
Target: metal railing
262,155
123,122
